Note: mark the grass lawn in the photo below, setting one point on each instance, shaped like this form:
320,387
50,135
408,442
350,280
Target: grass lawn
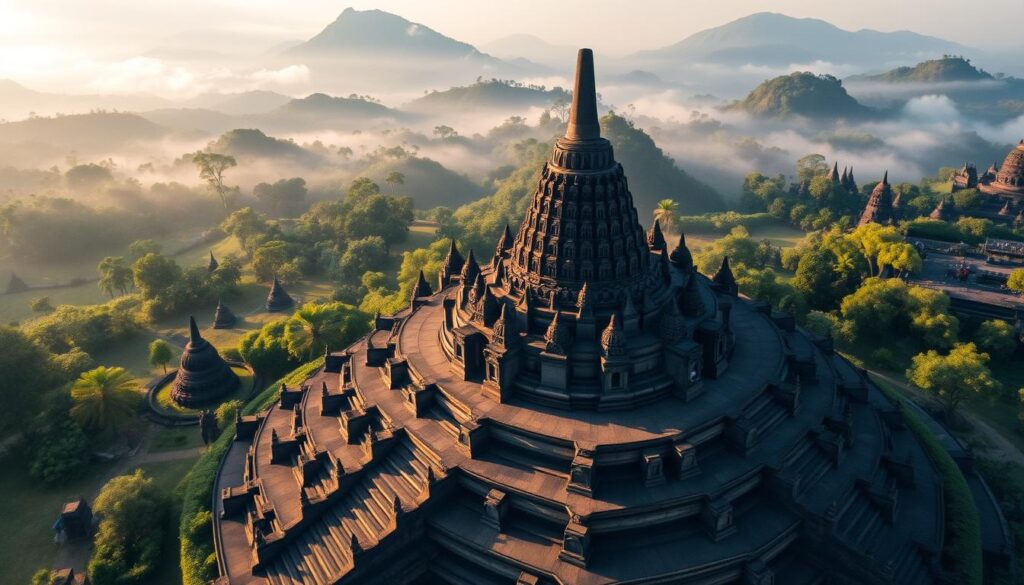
163,396
28,510
175,439
781,235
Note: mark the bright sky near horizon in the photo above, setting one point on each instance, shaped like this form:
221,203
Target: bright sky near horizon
41,39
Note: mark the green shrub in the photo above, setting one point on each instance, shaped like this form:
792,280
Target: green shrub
59,454
198,559
962,550
884,358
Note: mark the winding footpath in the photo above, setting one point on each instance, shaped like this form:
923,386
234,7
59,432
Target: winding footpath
990,442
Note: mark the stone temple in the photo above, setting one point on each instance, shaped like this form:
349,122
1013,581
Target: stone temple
583,408
1001,187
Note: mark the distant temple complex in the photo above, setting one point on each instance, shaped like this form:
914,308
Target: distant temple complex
583,407
1003,186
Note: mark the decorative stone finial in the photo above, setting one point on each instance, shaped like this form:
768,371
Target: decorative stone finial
583,122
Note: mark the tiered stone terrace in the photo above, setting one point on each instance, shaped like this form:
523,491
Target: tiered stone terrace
526,425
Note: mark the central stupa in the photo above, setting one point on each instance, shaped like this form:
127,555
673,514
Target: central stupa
583,408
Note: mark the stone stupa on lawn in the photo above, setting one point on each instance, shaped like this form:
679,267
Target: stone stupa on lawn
203,376
223,318
278,298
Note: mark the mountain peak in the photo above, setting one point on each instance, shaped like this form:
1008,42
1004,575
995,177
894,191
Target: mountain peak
361,32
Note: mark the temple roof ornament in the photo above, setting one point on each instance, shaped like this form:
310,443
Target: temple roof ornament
724,277
278,299
470,269
583,304
680,256
453,261
504,329
422,288
613,338
556,337
505,241
655,238
223,317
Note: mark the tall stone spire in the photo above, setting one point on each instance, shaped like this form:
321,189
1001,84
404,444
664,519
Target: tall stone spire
581,225
583,124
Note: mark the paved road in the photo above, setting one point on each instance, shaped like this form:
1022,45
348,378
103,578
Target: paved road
988,441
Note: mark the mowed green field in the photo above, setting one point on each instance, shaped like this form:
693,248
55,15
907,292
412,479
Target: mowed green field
15,307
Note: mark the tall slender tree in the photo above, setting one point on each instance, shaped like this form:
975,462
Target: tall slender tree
667,213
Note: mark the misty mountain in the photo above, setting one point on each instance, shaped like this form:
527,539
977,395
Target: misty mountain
947,69
373,50
382,35
974,91
239,103
17,101
193,120
533,48
486,95
428,182
249,143
801,94
321,111
767,38
83,132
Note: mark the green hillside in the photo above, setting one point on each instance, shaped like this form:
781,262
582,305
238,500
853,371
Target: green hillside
947,69
653,176
492,94
801,94
428,182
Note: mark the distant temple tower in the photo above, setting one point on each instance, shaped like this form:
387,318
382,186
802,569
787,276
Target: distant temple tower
278,299
203,375
879,208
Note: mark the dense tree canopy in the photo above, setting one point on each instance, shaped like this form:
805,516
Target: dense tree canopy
953,377
127,544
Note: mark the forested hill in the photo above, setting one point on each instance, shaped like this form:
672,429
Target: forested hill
652,175
801,94
947,69
492,94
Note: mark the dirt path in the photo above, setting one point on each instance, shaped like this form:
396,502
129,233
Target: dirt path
988,441
76,553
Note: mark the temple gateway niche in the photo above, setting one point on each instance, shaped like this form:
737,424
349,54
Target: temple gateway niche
581,407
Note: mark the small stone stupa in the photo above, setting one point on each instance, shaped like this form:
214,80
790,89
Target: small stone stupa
223,318
278,298
203,376
213,264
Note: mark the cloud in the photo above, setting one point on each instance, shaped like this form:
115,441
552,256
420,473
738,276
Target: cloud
285,76
142,74
932,108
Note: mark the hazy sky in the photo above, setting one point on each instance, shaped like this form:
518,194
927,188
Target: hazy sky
45,41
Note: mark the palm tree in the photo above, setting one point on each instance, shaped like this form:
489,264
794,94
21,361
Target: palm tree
105,400
667,213
115,275
311,328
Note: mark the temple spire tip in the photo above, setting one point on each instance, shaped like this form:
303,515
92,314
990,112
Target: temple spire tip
583,122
